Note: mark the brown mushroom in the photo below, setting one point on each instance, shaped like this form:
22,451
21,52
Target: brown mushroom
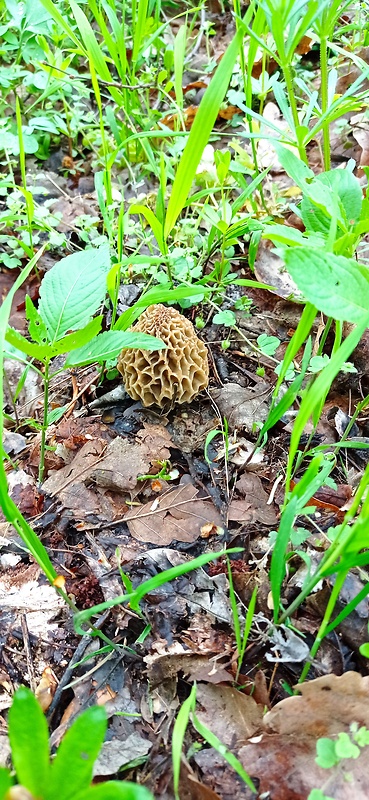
174,375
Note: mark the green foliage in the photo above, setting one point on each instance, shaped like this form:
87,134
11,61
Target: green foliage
68,776
70,294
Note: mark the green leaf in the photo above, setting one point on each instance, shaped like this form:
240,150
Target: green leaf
152,220
29,740
5,782
78,338
72,291
268,344
295,168
326,753
159,294
346,188
48,350
36,326
226,318
71,770
16,339
200,132
109,344
337,286
115,790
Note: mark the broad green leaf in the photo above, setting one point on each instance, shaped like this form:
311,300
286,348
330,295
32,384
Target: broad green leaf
29,740
285,234
109,344
69,342
16,339
72,768
295,168
78,338
347,189
337,286
200,132
115,790
72,291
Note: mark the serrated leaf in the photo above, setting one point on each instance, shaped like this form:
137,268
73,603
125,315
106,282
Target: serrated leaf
337,286
36,326
78,338
109,344
29,739
32,349
48,350
72,291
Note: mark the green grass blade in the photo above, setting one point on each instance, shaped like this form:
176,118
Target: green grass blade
9,508
200,132
179,730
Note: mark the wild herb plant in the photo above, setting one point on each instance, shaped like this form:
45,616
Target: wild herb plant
70,293
69,774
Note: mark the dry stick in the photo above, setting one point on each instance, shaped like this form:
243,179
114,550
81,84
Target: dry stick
27,648
77,655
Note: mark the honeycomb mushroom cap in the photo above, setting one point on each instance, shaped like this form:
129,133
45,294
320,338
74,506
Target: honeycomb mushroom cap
176,374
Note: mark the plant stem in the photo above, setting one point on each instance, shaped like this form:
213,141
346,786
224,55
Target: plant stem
325,621
324,101
287,74
44,421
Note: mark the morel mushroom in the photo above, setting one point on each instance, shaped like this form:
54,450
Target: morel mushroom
174,375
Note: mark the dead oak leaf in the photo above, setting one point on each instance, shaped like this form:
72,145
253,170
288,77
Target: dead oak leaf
284,758
253,505
178,515
233,717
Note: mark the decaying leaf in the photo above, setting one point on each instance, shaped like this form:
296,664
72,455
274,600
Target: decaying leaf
243,408
233,717
284,758
178,515
253,503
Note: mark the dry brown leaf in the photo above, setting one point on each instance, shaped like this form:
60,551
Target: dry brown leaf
124,461
175,658
177,515
242,407
284,759
253,506
232,716
269,268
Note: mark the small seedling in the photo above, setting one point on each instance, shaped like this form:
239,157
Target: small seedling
68,775
70,294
